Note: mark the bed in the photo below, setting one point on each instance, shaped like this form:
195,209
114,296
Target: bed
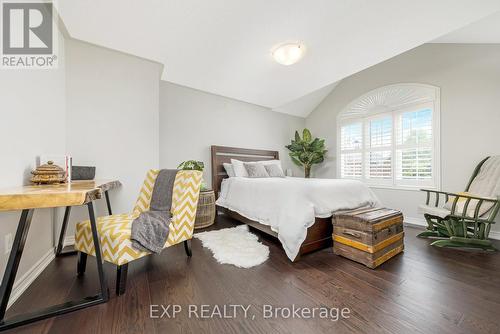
297,211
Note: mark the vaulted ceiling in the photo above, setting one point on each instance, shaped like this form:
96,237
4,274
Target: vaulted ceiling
484,31
223,46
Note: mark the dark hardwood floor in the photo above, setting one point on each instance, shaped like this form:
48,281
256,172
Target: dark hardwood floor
423,290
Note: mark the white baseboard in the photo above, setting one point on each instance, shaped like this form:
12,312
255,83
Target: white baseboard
415,222
29,277
69,240
420,222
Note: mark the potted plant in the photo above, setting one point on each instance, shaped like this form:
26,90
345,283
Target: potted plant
194,165
306,151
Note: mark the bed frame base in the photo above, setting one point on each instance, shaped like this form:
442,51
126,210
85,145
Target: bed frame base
319,235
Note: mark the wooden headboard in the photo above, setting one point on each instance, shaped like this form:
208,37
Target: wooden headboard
222,154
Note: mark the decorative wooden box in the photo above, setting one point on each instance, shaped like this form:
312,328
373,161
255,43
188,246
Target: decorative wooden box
48,174
369,236
205,212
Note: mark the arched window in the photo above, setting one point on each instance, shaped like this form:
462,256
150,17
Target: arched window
389,137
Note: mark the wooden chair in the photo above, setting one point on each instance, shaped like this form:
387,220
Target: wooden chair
465,218
114,231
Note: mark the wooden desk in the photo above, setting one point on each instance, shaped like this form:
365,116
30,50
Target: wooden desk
29,198
54,195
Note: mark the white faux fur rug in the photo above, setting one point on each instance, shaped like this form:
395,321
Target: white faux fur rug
235,245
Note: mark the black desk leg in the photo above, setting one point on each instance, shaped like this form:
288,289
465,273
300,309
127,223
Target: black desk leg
14,258
98,254
51,311
108,203
60,244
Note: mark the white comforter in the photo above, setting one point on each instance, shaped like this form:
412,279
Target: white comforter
289,205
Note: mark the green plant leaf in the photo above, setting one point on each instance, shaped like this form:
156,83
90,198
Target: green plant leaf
305,157
306,135
295,147
297,136
296,161
316,144
318,159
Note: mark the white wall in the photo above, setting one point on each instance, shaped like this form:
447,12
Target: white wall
112,118
191,121
32,122
469,78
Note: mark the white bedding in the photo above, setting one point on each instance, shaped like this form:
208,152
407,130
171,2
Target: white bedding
289,205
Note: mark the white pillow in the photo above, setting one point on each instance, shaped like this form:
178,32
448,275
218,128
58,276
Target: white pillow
274,170
256,169
229,169
239,168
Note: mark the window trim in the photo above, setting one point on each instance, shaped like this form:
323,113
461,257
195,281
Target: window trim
423,95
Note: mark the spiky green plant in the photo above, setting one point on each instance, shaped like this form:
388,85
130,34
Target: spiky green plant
306,151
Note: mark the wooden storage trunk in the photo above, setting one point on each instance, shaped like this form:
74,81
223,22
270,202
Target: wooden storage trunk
369,236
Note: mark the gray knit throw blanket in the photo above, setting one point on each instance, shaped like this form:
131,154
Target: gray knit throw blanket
150,229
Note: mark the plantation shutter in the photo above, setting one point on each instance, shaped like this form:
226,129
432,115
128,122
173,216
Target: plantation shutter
351,145
378,153
414,147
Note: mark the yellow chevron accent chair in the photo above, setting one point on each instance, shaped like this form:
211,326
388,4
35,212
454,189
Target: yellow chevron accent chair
115,230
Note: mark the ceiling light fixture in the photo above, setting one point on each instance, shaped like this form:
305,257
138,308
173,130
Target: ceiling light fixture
288,53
